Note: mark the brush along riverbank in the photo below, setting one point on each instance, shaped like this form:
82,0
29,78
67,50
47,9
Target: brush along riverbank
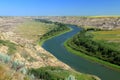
83,45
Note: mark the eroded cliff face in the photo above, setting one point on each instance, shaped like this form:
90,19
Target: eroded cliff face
98,22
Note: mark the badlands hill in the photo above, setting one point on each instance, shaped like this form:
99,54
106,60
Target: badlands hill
19,49
99,22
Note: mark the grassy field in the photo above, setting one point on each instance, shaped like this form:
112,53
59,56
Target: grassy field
34,30
111,38
104,16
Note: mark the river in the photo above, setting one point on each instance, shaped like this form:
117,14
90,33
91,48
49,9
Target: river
56,47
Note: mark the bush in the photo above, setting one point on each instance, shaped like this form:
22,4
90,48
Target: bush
4,58
60,27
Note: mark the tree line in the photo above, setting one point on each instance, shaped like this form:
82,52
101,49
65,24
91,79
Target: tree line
84,43
60,28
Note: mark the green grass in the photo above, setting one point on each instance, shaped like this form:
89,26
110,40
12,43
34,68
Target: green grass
33,30
10,45
113,35
111,38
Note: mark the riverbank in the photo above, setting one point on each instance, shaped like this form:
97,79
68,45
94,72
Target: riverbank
40,42
79,75
91,58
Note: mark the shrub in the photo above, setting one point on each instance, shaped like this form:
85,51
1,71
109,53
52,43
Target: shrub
5,58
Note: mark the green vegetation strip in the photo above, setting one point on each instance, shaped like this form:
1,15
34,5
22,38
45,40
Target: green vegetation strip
11,46
57,73
83,51
94,59
59,30
59,33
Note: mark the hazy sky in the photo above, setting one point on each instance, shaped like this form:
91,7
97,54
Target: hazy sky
59,7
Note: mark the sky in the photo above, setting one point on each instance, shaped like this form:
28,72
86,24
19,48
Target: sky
59,7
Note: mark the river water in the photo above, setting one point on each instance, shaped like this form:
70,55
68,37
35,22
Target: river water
56,47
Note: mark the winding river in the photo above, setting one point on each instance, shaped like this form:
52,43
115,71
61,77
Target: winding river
56,47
